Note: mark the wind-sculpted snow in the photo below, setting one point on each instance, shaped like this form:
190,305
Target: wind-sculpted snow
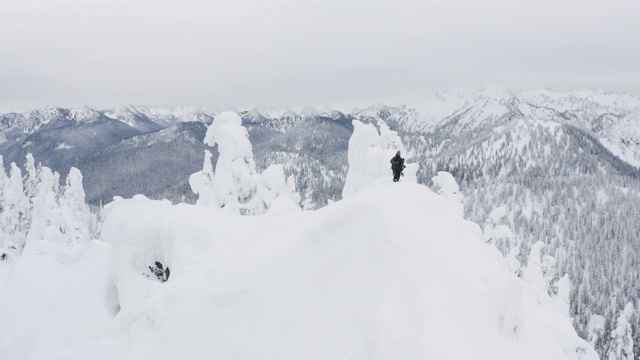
358,279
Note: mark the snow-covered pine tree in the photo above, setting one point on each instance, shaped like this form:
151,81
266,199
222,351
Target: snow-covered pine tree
46,217
14,218
622,336
550,273
30,177
497,234
533,271
78,224
596,330
445,184
307,202
4,181
237,186
512,261
202,182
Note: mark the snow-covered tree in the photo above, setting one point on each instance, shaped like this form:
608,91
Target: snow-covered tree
46,217
31,177
512,261
4,181
78,224
533,271
202,182
495,233
445,185
236,185
14,217
562,298
596,329
307,202
622,336
234,181
550,273
272,187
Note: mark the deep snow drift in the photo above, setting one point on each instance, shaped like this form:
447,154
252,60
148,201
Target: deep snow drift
392,272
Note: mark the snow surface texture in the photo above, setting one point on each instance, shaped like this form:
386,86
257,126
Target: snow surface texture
358,279
370,154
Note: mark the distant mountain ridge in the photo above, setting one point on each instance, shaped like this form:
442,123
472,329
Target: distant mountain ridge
61,138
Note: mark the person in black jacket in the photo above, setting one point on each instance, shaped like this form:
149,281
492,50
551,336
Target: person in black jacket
397,165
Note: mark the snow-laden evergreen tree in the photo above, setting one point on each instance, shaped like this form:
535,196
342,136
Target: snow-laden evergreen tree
550,273
445,185
237,186
495,233
202,182
307,202
31,179
562,299
596,329
622,336
512,261
234,181
533,271
78,224
4,181
273,190
46,217
14,217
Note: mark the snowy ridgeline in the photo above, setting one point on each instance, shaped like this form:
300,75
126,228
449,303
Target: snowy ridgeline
393,271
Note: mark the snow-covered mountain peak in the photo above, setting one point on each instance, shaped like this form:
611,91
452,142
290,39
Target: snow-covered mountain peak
377,111
306,110
169,116
276,113
85,114
48,113
464,108
126,113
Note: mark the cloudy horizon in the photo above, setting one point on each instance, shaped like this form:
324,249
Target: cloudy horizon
221,54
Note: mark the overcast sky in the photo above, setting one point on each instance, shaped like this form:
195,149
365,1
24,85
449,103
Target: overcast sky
271,53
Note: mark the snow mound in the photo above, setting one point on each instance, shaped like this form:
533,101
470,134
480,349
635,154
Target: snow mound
384,274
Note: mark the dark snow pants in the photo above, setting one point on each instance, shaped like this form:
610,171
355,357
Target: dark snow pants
396,175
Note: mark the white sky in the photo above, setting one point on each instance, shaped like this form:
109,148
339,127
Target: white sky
284,52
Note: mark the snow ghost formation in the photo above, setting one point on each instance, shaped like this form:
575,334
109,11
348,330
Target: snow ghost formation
369,155
37,214
445,185
202,182
15,209
236,186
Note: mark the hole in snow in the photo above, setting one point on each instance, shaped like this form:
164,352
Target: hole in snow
158,271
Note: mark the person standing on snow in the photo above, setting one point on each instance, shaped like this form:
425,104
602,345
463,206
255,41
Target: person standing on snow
397,165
